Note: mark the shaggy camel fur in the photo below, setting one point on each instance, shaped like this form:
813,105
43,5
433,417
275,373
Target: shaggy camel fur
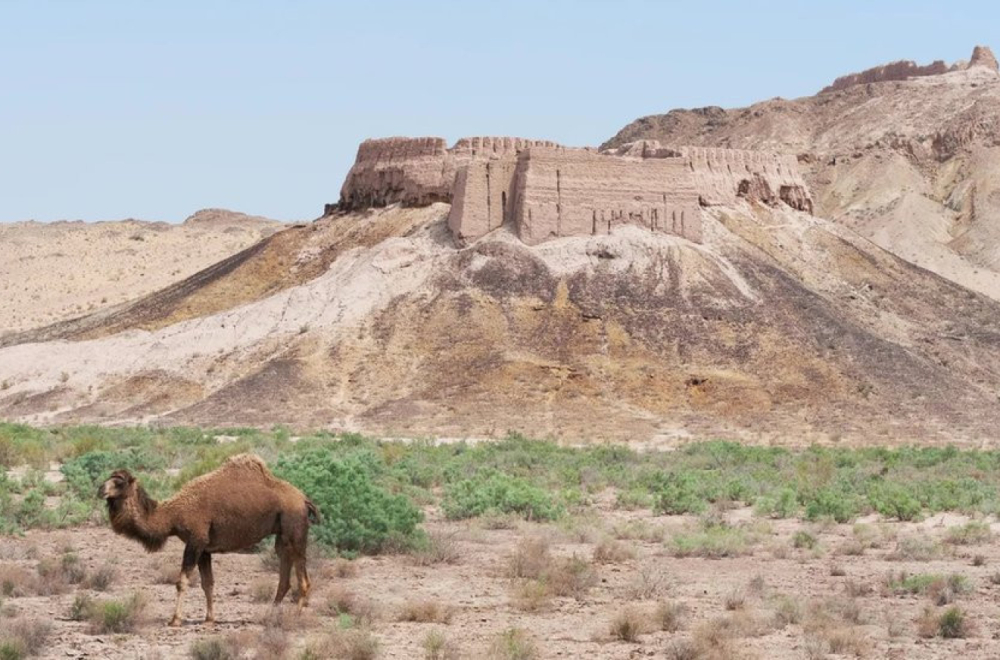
229,509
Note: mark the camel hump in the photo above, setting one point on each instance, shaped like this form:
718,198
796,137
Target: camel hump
248,461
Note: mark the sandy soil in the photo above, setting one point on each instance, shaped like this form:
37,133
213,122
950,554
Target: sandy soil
481,596
54,271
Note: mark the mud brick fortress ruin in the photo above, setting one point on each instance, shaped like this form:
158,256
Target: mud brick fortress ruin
543,190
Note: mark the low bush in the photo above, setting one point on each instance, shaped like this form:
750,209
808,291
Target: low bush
358,515
492,493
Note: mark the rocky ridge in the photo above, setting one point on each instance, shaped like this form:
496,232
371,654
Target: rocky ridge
910,164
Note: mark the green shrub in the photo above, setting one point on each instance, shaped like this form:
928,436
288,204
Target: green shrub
85,473
895,501
358,515
832,503
803,539
677,493
783,504
497,493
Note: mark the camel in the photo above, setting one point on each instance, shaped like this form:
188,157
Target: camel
227,510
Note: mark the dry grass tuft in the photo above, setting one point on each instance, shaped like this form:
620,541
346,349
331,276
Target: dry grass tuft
915,548
81,608
531,596
736,599
927,623
273,642
102,578
340,568
262,590
669,616
349,644
16,582
682,649
118,616
572,577
23,637
531,559
287,618
950,624
439,548
342,601
611,551
974,532
639,530
649,582
425,611
628,624
513,644
438,647
787,611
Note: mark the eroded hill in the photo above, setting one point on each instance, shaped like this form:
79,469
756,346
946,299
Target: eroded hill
778,325
907,156
51,272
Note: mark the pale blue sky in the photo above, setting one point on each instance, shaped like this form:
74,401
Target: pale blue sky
153,110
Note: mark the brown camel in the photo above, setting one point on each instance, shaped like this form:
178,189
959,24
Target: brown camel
229,509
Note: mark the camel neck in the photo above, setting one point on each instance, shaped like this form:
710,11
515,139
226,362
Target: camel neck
142,518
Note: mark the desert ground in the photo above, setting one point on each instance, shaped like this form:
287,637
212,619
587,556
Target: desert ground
834,599
597,552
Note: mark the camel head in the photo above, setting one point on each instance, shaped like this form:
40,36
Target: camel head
130,509
119,486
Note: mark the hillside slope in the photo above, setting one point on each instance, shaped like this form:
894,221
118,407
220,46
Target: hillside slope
779,325
912,164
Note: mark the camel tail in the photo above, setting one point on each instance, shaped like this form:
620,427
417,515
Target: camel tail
312,511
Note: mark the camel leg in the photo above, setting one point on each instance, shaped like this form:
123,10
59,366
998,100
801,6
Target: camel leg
188,563
303,579
207,581
284,570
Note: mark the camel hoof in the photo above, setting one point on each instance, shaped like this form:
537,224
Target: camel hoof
210,621
175,623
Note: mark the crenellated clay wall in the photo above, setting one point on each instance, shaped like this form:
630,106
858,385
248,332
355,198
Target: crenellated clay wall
543,190
577,192
417,171
411,171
